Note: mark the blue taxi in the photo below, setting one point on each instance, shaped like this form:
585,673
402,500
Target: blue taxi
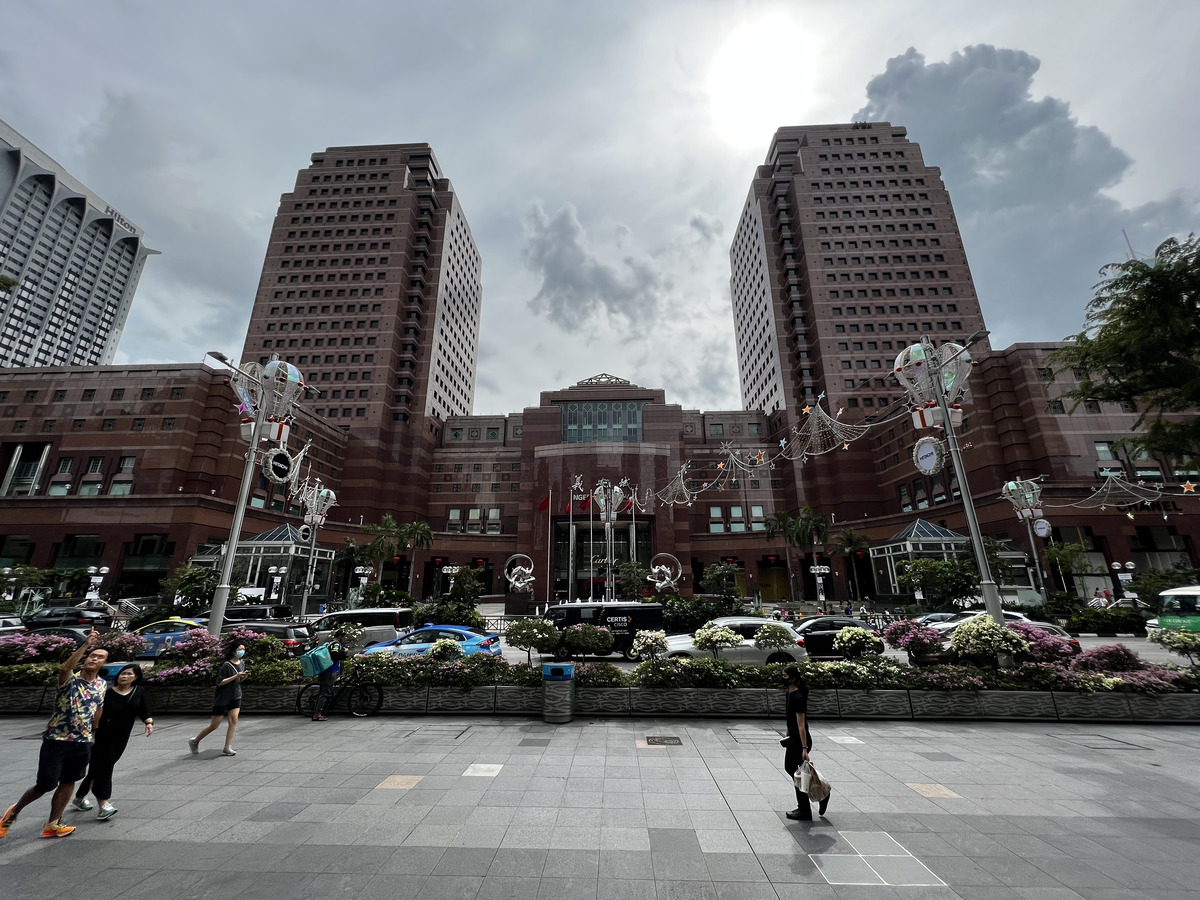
418,642
164,633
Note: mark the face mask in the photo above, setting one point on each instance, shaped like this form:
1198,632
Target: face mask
241,653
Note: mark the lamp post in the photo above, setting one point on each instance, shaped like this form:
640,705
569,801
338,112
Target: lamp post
264,390
610,498
364,574
278,582
317,500
97,578
1124,574
929,374
819,572
1025,496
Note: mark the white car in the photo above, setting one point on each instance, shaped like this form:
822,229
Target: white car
946,627
1152,625
681,646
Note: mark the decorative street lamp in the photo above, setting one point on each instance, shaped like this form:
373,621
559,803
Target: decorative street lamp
317,501
935,380
278,582
267,394
820,572
610,498
97,578
1025,496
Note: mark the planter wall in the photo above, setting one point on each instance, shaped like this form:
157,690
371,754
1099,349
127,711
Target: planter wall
741,703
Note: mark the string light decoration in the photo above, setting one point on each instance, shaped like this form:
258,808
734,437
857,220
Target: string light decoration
1117,492
819,434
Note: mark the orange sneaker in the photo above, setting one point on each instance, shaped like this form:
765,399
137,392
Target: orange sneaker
56,830
7,820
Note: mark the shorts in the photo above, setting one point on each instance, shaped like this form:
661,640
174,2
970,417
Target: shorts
227,708
61,762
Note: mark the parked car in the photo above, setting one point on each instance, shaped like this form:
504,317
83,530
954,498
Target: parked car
296,637
681,645
382,624
948,626
259,612
162,634
54,616
819,631
930,618
1152,625
418,642
12,625
623,619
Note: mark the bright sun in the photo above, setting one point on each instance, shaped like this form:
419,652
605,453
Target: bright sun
762,77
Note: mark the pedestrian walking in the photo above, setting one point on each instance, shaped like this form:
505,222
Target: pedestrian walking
67,740
798,742
124,701
337,652
227,702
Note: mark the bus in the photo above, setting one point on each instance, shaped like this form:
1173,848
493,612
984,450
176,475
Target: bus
1177,608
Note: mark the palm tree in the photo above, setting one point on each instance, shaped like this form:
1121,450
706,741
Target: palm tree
418,536
783,524
803,531
350,557
387,539
851,545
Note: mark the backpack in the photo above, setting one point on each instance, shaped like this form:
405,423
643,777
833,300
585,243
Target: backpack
315,661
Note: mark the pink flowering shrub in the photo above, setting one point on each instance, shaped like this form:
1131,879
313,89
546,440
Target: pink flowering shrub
29,648
1044,647
122,645
195,645
259,647
196,672
908,635
1109,658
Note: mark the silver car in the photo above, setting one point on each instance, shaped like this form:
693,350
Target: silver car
680,645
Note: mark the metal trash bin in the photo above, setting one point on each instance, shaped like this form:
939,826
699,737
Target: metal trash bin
558,692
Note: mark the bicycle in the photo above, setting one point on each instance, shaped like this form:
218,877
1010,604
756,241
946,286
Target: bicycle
363,698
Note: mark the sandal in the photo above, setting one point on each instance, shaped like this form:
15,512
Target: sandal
320,718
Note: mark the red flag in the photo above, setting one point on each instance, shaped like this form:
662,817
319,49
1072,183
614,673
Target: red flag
544,505
587,502
567,511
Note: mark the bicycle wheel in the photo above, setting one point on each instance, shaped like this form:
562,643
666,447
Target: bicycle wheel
365,699
306,700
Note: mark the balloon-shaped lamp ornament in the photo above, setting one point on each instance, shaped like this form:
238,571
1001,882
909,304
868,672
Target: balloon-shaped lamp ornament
924,378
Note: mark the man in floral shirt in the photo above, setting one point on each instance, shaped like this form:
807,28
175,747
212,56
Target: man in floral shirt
67,740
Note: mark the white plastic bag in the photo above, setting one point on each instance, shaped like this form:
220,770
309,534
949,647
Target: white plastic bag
804,776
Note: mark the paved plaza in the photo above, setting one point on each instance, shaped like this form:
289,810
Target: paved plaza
460,807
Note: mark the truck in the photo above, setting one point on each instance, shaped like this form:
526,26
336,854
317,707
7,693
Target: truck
623,619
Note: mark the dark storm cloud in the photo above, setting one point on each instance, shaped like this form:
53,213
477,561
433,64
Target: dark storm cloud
577,282
201,288
1028,184
710,228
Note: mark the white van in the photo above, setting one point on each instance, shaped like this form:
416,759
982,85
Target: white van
381,624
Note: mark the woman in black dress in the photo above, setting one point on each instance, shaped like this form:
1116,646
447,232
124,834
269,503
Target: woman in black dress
124,701
799,741
227,702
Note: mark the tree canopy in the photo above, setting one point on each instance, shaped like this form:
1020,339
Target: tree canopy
1141,346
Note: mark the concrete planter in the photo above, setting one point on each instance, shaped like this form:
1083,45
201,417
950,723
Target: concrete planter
197,699
397,700
731,703
874,704
1092,707
266,698
944,704
444,700
518,700
27,699
1030,705
603,701
1165,707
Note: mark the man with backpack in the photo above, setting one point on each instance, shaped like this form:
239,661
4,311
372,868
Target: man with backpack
337,652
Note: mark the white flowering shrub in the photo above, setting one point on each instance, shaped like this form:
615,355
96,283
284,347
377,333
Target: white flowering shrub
853,642
715,638
445,648
773,637
649,644
984,636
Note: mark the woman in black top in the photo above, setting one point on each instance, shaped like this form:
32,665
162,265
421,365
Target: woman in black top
227,702
124,701
799,741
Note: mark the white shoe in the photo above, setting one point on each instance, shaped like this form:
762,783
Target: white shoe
106,811
228,751
194,746
81,803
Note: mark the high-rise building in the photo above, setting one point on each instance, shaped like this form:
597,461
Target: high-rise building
372,288
846,252
75,259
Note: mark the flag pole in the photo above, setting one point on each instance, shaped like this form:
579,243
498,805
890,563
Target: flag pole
549,548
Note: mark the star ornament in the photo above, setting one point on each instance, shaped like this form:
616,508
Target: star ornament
807,410
846,446
1189,488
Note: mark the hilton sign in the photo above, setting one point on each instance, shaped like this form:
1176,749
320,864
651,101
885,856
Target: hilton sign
120,219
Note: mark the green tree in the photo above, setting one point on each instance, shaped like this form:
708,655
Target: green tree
193,585
387,538
1141,345
7,284
722,579
631,580
1148,585
853,547
1066,559
941,581
350,557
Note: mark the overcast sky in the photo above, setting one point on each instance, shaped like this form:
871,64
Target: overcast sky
602,151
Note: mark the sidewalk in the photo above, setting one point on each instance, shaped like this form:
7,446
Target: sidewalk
456,807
